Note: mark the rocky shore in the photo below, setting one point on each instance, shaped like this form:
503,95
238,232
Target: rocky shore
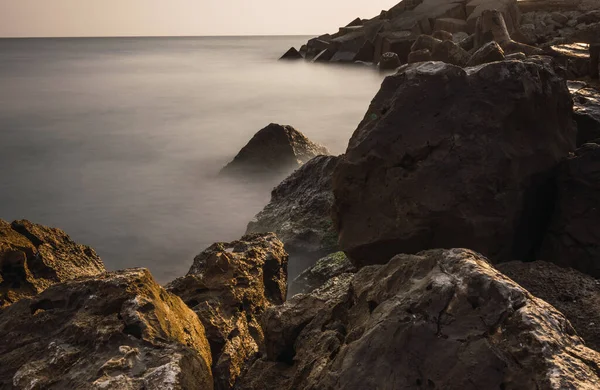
454,245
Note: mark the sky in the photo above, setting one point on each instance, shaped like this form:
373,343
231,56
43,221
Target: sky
67,18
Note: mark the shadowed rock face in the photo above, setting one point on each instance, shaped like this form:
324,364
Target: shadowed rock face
450,157
117,330
300,213
273,150
229,286
317,275
443,319
573,239
574,294
34,257
586,111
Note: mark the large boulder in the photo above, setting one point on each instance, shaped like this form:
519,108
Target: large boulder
450,53
322,271
117,330
443,319
420,173
273,150
586,111
34,257
300,214
489,52
229,286
573,239
573,293
389,61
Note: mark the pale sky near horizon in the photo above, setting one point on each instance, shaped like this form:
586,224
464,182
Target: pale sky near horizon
61,18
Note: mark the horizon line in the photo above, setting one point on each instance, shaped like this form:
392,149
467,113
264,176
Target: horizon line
159,36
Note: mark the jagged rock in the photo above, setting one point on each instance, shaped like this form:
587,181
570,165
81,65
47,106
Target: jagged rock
468,43
325,269
355,22
292,54
495,166
273,150
507,8
419,56
425,42
229,286
451,25
34,257
489,52
389,61
117,330
586,111
573,57
450,53
574,294
366,52
442,35
573,239
299,212
394,42
442,319
324,55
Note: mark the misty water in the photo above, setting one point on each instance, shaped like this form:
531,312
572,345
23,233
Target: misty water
119,141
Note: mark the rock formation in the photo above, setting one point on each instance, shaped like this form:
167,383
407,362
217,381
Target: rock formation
275,149
389,61
420,173
292,54
299,212
443,319
586,111
34,257
117,330
489,52
325,269
229,286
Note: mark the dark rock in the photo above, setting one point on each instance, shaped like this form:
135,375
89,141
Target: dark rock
574,294
495,166
573,57
515,56
589,17
419,56
366,52
325,269
389,61
490,52
299,212
273,150
229,286
425,42
450,25
443,319
324,55
573,239
450,53
442,35
586,112
355,22
34,257
117,330
394,42
292,54
468,43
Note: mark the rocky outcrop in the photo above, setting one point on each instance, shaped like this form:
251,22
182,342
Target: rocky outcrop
573,239
292,54
300,214
229,286
389,61
574,294
325,269
586,111
443,319
34,257
117,330
275,149
496,167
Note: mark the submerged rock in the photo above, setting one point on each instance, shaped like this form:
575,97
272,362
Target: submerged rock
300,214
292,54
117,330
420,173
325,269
229,286
443,319
34,257
275,149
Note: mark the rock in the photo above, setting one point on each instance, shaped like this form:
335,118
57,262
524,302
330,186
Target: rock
527,34
589,17
303,50
273,150
574,294
507,8
355,22
515,56
394,42
573,239
425,42
389,61
489,52
450,53
324,55
299,212
459,37
419,56
443,319
442,35
325,269
117,330
492,26
292,54
573,57
586,112
451,25
229,286
468,43
366,52
495,166
34,257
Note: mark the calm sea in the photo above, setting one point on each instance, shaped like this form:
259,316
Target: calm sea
117,141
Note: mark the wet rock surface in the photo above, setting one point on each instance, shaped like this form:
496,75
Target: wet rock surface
300,214
34,257
117,330
327,268
496,167
229,286
275,149
440,319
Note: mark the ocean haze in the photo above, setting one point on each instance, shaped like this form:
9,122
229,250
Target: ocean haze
119,141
